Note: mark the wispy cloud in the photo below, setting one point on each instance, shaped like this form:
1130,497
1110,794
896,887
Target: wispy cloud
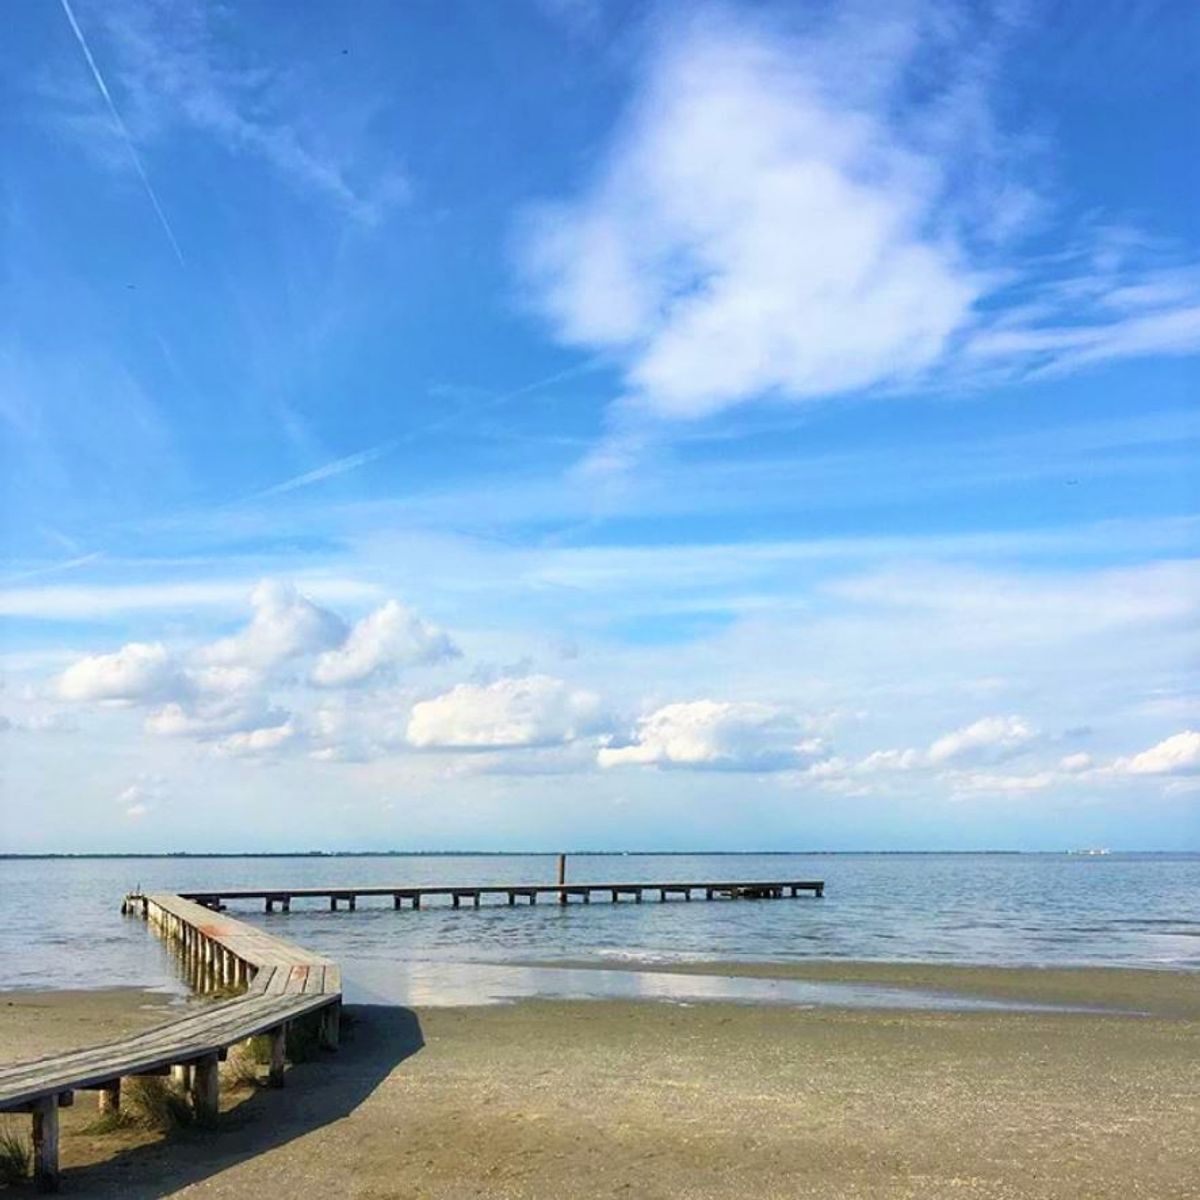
100,602
70,564
788,215
174,74
119,122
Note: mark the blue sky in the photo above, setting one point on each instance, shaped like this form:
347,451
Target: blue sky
589,424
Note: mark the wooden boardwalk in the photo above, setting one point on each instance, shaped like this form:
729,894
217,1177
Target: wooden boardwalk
277,983
281,983
562,893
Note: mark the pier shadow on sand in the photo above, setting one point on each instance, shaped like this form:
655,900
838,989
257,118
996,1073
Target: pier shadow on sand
317,1093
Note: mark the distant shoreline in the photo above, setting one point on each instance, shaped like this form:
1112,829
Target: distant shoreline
205,854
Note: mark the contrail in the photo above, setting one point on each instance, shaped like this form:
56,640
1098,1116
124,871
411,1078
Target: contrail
338,467
120,124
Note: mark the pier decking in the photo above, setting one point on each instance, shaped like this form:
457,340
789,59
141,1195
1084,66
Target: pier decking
282,982
562,893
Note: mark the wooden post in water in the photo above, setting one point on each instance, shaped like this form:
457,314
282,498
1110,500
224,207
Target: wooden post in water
562,877
45,1144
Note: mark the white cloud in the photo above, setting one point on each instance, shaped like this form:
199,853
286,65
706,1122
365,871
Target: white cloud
536,710
95,602
285,625
392,636
990,739
754,231
1176,755
137,673
804,216
206,719
974,782
879,761
257,741
141,798
1074,764
714,735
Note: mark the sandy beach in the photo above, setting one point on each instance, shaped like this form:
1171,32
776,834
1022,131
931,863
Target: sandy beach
643,1099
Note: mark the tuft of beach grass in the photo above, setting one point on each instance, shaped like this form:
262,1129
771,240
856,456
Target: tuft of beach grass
16,1157
154,1102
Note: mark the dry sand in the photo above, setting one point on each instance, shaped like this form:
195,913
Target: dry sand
641,1099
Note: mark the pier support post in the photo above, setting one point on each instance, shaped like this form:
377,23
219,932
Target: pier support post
45,1144
562,878
278,1037
333,904
109,1098
330,1027
206,1089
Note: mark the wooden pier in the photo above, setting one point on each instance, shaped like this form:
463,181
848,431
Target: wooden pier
528,893
279,983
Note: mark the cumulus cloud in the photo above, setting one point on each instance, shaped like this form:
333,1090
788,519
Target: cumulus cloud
535,710
891,760
285,625
209,719
1176,755
752,232
976,782
137,673
991,739
801,215
390,637
219,692
141,798
257,741
714,735
952,757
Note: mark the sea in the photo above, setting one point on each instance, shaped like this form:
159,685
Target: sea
62,926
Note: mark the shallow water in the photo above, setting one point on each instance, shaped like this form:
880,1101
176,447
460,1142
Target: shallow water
454,985
62,927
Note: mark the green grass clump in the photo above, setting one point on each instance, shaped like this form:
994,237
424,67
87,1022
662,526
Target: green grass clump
16,1157
110,1122
154,1102
243,1067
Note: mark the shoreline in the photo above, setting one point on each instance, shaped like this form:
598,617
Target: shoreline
1157,991
1085,989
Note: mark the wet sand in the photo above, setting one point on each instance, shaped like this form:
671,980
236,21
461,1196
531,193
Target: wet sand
642,1099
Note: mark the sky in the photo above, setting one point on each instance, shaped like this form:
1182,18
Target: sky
596,424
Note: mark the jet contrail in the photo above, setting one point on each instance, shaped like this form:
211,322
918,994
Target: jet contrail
338,467
120,124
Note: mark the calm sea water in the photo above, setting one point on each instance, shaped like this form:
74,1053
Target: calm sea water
62,927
